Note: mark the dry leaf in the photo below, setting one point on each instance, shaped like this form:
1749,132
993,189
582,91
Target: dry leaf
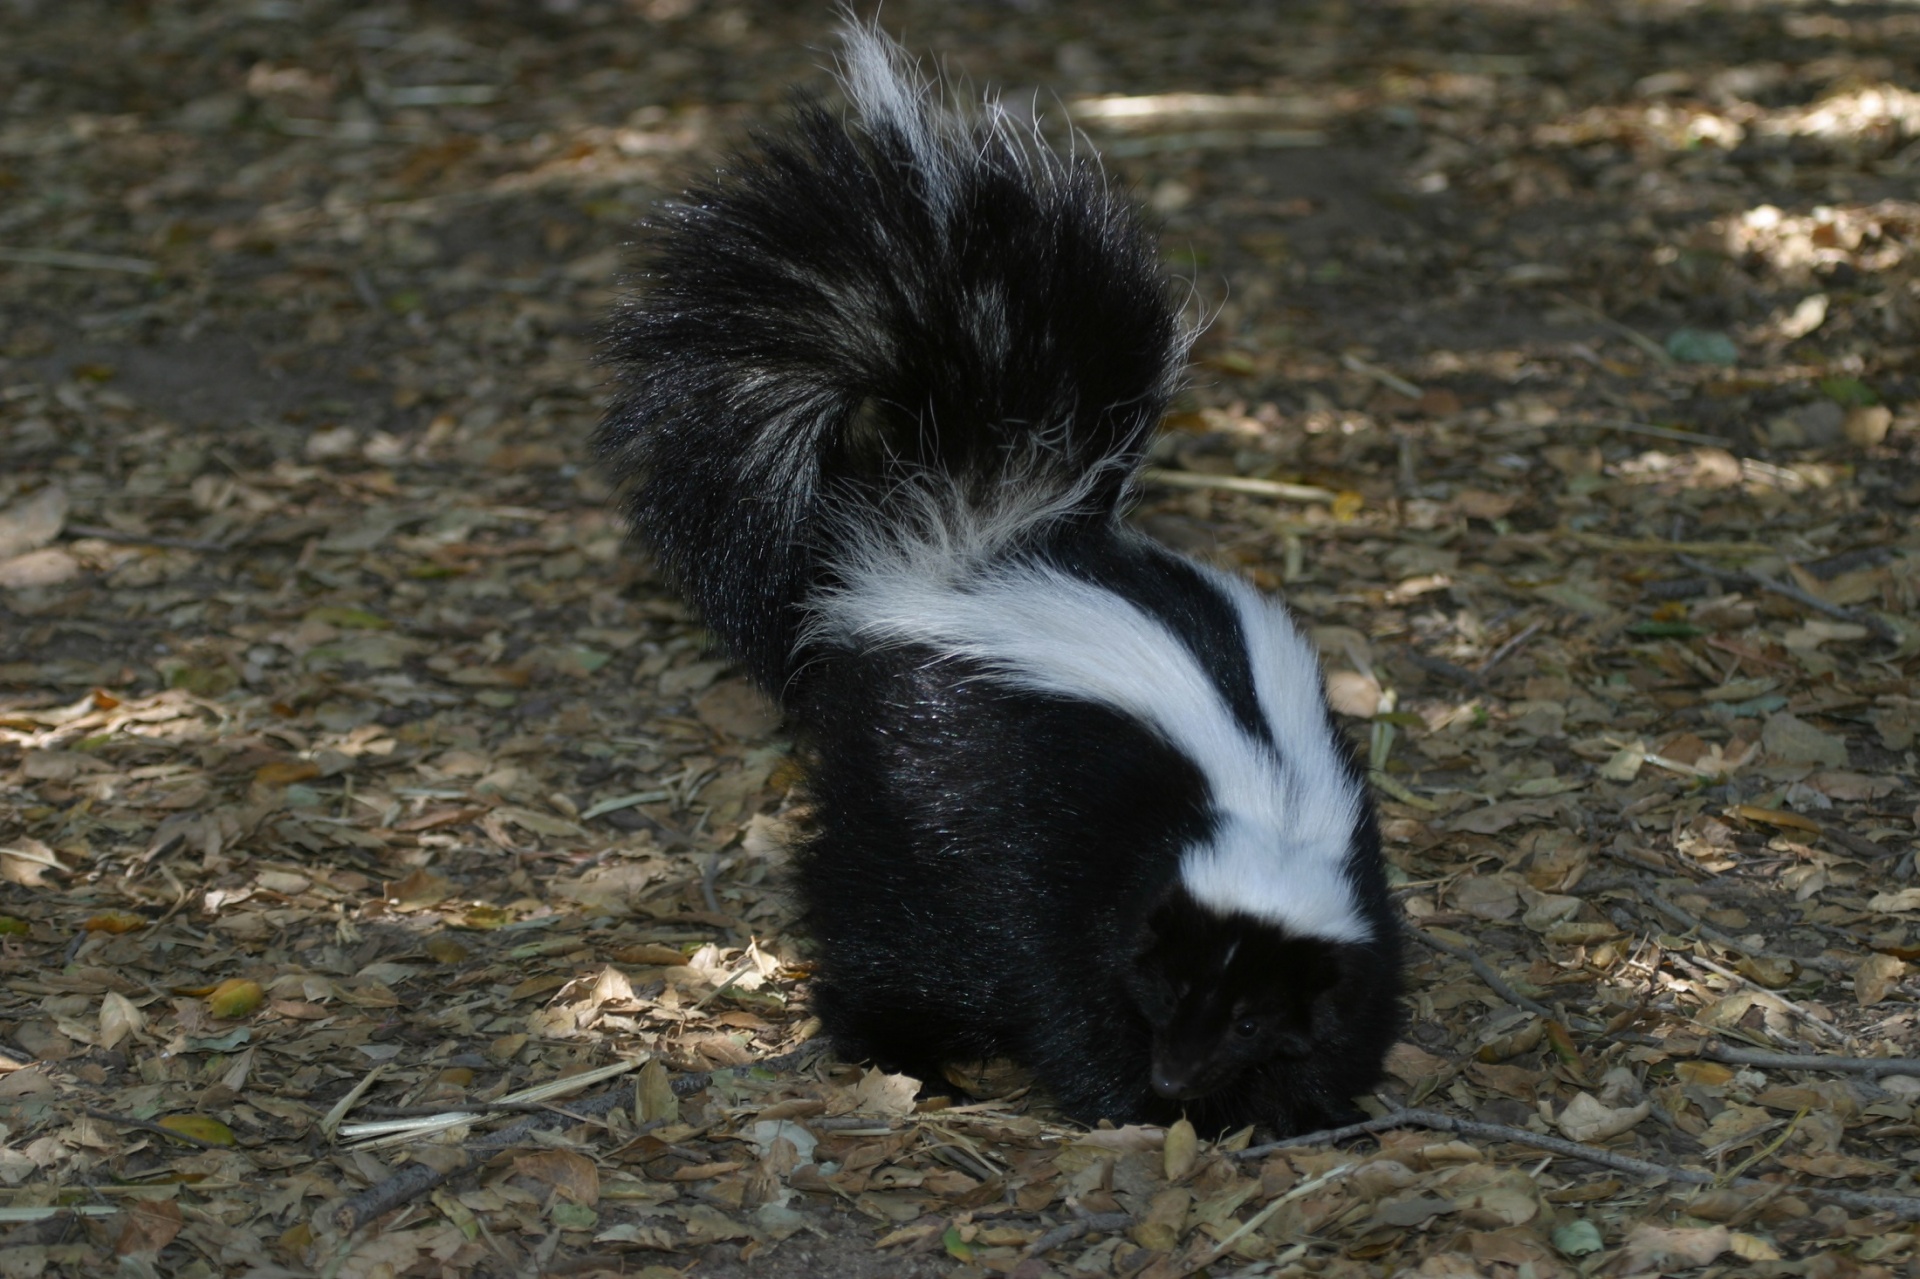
573,1176
234,998
1658,1250
879,1093
1904,899
1180,1150
1876,977
1587,1119
1490,897
118,1019
32,522
1126,1138
1410,1064
654,1095
147,1226
201,1128
1733,1123
1787,739
1837,1167
1165,1219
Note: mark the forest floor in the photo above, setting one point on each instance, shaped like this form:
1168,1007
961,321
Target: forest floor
1561,372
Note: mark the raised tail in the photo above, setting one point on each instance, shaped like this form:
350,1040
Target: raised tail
864,319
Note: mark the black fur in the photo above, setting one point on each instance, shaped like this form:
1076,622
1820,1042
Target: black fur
844,345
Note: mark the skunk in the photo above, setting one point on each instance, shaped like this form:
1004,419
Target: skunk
1080,802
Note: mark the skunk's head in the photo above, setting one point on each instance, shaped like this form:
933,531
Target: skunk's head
1242,1006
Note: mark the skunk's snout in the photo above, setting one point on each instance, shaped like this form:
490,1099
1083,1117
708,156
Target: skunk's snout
1174,1085
1169,1087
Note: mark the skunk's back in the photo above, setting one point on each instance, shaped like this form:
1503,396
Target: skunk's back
860,320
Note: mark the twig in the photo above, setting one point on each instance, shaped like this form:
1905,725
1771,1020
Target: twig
414,1180
1204,1256
1484,971
1662,546
1767,1151
1442,667
1392,381
1651,859
1391,786
80,261
1507,649
1801,1014
1633,335
1855,844
144,539
1906,1207
471,1108
1872,621
1236,484
147,1125
1093,1223
1714,1050
1714,935
1649,429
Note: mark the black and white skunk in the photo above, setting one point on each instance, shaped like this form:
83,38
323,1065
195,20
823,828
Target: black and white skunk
1080,800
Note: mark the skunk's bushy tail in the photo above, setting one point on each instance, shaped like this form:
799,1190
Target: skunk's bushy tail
914,313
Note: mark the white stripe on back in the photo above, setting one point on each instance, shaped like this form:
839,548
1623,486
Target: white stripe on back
1286,819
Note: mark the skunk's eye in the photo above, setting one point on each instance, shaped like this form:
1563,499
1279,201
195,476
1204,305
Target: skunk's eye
1246,1028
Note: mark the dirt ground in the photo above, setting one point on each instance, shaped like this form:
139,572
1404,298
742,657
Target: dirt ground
1561,370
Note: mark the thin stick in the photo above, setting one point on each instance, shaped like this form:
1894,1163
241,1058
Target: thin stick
1714,935
1484,971
1633,335
1236,484
1507,649
1205,1257
1872,621
1661,546
1701,962
144,539
80,261
1392,381
1673,433
1442,667
414,1180
1732,1056
1095,1223
1906,1207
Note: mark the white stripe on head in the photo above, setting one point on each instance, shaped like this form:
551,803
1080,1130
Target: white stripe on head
1285,818
1314,808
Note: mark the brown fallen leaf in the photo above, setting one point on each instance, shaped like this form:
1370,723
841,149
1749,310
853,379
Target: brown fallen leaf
147,1226
572,1175
1587,1119
1838,1167
1410,1063
1659,1250
1876,978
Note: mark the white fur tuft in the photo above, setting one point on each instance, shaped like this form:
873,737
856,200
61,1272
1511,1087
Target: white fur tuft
889,93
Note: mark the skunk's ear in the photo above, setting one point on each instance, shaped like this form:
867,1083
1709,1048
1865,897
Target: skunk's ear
1329,970
1313,973
1160,924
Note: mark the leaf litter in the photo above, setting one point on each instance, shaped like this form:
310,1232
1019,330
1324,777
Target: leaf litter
392,878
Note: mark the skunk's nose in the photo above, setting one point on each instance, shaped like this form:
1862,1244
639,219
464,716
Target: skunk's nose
1170,1086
